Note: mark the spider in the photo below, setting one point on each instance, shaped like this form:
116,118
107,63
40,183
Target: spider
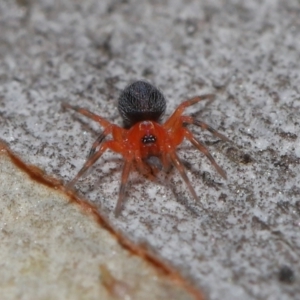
141,106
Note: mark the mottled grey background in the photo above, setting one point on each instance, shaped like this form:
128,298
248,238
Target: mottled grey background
247,53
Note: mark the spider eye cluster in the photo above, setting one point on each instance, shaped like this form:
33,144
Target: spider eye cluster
148,139
141,101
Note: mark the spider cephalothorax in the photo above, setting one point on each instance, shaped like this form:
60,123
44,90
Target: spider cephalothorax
141,106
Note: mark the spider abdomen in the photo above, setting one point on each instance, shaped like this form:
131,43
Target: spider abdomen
141,101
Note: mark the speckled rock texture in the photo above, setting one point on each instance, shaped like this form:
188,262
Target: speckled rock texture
243,240
50,249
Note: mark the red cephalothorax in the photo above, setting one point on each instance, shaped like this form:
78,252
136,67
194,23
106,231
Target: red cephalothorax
141,106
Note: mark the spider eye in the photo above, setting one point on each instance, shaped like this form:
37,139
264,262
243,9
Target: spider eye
141,101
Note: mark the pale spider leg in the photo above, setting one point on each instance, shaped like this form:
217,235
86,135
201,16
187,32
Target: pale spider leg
91,160
122,191
180,109
204,150
180,167
88,114
191,120
166,163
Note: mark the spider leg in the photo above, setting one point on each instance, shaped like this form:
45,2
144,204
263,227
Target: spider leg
166,163
97,143
180,167
91,160
122,191
191,120
180,109
88,114
205,151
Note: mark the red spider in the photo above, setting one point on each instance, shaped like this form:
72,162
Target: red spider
141,106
